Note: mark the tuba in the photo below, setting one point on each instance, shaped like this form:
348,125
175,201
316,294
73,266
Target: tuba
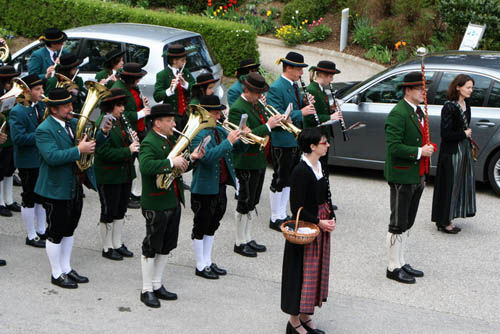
85,126
283,124
18,91
4,52
249,139
199,119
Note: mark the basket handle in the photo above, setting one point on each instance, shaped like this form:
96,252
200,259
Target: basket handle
297,219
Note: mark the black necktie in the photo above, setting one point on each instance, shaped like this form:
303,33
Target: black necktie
69,131
54,56
420,113
37,112
296,89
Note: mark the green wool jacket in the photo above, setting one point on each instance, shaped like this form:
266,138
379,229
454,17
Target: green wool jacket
153,161
104,74
163,80
235,90
253,158
130,111
78,103
403,137
321,105
114,163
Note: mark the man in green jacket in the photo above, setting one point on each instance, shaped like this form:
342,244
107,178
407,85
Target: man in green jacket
407,163
250,165
160,207
42,62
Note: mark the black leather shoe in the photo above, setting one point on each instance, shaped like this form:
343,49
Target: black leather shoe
256,246
309,329
5,212
206,273
133,204
112,254
217,270
35,242
162,293
290,329
443,229
14,207
245,250
123,250
42,236
411,271
77,278
400,275
16,181
334,207
3,263
275,225
150,299
64,281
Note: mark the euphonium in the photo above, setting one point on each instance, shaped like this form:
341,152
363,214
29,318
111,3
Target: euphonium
249,138
85,126
4,52
20,91
199,119
283,124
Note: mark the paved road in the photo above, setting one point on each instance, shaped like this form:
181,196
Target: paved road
459,294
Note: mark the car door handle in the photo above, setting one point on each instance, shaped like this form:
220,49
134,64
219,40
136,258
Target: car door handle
485,124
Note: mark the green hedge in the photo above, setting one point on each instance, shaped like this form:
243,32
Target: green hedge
230,41
307,9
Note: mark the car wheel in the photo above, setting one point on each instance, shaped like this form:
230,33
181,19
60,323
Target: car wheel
494,172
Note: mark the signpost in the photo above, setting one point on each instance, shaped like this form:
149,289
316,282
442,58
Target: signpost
472,36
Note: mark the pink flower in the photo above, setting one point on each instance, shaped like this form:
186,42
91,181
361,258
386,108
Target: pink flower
314,22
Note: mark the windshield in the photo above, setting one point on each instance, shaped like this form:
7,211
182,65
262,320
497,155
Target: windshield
198,56
342,93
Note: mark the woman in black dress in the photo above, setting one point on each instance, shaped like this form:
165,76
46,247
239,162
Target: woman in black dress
454,190
305,273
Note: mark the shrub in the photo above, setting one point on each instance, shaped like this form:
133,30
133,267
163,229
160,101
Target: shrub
229,41
364,32
290,35
318,32
388,31
380,53
304,9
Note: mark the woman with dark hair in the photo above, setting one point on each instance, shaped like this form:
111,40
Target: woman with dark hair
205,85
454,190
305,273
113,61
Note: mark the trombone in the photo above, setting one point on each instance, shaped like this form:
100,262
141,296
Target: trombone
247,138
283,124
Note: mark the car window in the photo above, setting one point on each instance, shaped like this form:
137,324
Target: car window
137,54
95,50
198,57
494,99
481,86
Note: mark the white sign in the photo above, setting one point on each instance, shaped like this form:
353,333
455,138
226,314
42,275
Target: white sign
472,36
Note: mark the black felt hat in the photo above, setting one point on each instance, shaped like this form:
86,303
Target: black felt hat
116,95
53,35
256,83
33,80
68,61
205,79
8,72
176,50
413,79
293,59
161,110
247,64
325,66
112,55
133,70
58,96
211,103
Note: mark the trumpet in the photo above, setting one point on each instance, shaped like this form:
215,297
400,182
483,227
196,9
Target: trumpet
269,109
248,138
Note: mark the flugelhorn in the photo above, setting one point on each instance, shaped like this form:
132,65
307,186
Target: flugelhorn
269,109
247,138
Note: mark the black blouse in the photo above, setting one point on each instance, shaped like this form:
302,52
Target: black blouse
452,126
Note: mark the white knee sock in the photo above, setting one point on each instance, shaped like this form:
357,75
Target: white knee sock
28,215
198,254
248,223
106,235
2,201
137,182
54,255
8,181
285,197
117,233
404,240
208,244
148,268
66,248
393,243
275,199
159,268
41,218
240,229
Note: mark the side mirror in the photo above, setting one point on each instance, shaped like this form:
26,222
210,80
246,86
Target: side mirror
356,99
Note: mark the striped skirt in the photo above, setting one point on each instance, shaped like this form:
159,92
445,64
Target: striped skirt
463,196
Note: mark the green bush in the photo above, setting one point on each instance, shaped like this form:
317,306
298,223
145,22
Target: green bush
304,10
388,32
380,53
229,41
364,32
318,33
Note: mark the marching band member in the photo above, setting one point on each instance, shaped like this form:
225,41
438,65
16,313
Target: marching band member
246,66
135,112
24,121
160,207
284,150
7,168
211,175
251,165
3,139
205,85
42,62
59,184
174,87
114,168
113,61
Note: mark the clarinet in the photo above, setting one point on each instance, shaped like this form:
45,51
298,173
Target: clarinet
132,135
337,108
303,85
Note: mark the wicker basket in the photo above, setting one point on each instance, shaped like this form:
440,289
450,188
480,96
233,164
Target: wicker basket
299,238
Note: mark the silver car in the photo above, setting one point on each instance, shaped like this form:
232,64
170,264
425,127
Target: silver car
142,43
370,102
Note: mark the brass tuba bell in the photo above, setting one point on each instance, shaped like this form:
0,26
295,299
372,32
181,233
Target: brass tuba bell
4,52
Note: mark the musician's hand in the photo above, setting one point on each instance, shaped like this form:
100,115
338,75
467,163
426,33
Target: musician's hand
107,126
49,71
73,91
103,81
134,147
468,133
146,101
310,97
327,225
3,137
146,110
198,153
112,77
182,80
233,136
333,108
275,120
308,110
173,83
86,146
180,163
427,150
337,116
2,41
246,130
